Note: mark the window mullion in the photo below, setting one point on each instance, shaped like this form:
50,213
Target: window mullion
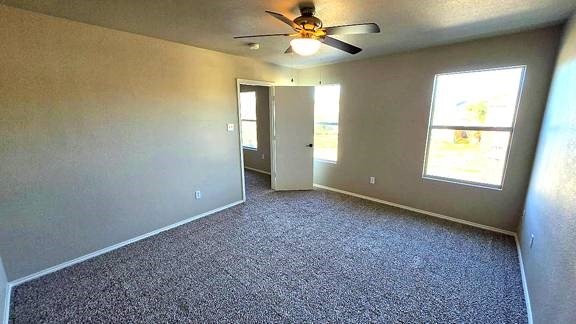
473,128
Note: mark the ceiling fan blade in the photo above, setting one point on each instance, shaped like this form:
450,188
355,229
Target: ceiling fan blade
367,28
288,50
284,19
342,45
264,35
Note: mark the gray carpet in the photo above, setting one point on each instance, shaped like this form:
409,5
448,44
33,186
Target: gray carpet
291,257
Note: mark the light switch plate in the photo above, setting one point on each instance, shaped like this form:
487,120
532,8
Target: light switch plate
230,127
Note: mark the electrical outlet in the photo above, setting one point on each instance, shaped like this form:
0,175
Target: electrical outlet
372,180
263,157
531,240
198,194
230,127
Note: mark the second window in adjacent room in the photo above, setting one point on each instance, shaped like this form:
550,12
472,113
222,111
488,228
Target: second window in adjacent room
248,117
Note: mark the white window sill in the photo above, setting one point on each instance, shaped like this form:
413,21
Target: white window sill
250,148
325,161
464,183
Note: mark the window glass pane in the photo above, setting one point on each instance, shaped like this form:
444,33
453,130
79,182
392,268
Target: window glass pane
326,142
248,105
326,110
248,116
481,98
249,135
473,156
327,103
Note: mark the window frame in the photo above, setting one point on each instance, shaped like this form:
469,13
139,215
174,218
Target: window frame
337,144
242,119
509,129
330,124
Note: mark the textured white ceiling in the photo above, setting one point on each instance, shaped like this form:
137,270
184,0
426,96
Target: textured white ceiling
405,24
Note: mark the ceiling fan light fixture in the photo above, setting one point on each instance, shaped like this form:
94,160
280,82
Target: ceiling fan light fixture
310,33
305,46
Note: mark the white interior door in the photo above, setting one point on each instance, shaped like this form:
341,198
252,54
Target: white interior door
293,136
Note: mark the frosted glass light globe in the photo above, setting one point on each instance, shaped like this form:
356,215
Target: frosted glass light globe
305,46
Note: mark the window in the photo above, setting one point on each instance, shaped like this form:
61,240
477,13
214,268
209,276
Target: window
326,109
248,117
471,125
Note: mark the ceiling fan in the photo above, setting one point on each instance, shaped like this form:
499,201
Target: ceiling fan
310,33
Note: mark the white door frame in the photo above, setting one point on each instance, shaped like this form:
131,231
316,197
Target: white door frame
270,86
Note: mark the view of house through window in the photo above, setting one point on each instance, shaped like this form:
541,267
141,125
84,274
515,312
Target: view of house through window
471,125
248,117
326,109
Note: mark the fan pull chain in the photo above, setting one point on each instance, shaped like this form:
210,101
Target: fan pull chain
292,66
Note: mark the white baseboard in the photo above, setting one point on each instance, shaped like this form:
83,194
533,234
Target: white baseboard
116,246
256,170
425,212
8,292
524,282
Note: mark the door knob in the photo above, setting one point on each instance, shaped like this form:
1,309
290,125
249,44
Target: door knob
310,145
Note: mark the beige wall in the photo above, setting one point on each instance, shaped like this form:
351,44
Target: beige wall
550,264
260,159
106,135
384,113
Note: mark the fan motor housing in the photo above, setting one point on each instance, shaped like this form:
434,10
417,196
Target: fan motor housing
307,21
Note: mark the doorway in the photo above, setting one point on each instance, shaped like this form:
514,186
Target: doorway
255,125
276,128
